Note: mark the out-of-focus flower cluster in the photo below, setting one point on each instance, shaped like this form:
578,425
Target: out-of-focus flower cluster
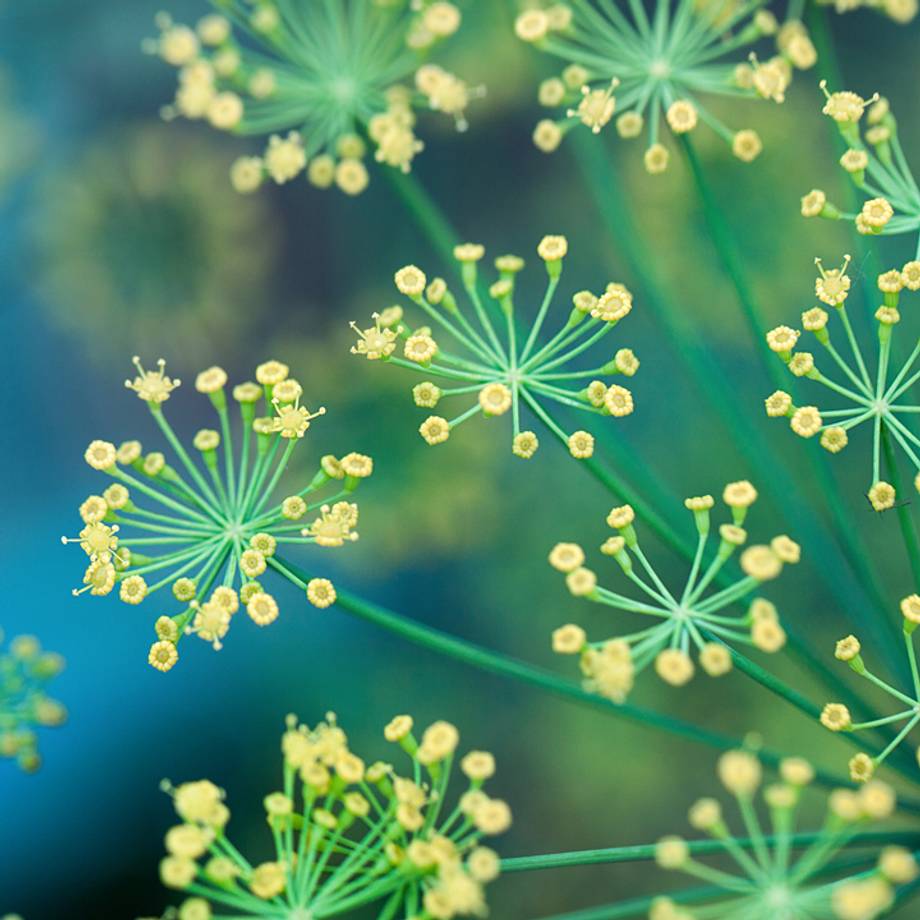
25,672
346,834
767,878
324,81
135,239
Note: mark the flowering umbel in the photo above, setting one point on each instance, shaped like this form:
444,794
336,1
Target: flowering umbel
499,367
766,876
325,82
880,396
25,671
346,834
654,72
836,716
875,163
209,529
692,618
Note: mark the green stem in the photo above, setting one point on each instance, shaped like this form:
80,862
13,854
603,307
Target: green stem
763,677
905,523
696,847
621,490
724,243
427,214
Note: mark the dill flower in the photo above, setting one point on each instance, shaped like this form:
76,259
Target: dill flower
875,163
836,716
693,619
499,369
879,396
208,529
347,834
322,82
765,877
25,672
645,71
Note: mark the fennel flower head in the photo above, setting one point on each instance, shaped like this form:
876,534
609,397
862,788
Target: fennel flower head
477,350
696,618
323,83
649,71
876,395
875,163
836,717
764,876
207,524
347,834
25,672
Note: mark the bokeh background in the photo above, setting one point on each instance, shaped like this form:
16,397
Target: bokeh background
120,235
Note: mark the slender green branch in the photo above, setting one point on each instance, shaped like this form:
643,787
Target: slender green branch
905,522
641,852
727,250
639,907
423,208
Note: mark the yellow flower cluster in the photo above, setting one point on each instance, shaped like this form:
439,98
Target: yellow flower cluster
875,163
213,528
506,369
347,834
650,70
319,82
880,397
691,618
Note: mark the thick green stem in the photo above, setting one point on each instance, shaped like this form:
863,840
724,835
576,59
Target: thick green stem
639,907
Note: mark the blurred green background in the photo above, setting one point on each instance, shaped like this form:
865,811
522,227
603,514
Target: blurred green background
121,235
